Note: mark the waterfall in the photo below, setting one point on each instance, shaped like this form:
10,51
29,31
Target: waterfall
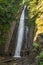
26,31
20,34
26,34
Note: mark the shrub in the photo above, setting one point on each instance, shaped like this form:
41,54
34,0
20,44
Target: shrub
39,58
35,46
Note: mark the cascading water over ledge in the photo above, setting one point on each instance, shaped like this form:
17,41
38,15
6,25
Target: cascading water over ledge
20,34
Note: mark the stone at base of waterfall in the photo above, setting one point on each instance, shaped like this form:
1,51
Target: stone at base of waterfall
17,56
15,64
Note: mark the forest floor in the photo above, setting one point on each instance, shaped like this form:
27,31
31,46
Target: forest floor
27,60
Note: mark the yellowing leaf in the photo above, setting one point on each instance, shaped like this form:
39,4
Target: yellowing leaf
39,21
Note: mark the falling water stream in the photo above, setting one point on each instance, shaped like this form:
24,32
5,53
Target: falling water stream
20,34
26,37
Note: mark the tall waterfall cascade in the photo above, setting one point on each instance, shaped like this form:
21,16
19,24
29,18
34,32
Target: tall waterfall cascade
20,34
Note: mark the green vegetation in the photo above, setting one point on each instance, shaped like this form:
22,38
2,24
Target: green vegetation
35,46
8,10
39,58
35,17
35,10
